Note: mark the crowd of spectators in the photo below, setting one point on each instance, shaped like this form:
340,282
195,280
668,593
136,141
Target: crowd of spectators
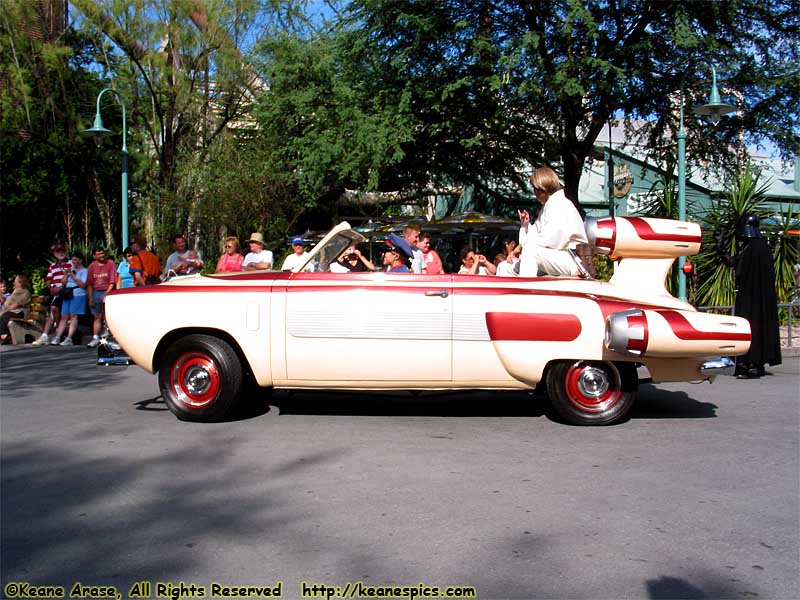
544,246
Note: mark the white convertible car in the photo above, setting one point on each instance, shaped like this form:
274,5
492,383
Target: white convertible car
587,343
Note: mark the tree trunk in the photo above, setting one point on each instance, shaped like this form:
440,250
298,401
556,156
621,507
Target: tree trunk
104,208
573,168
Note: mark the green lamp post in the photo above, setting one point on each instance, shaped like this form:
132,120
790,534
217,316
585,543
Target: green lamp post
98,131
714,109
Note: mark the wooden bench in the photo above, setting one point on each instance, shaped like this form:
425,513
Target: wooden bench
21,328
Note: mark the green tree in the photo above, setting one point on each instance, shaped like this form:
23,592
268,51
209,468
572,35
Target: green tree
745,196
492,87
185,69
50,173
242,191
327,131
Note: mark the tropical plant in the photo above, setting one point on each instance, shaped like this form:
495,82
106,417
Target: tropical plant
785,253
716,286
38,282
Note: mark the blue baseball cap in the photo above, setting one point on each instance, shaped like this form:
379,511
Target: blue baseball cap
398,243
297,240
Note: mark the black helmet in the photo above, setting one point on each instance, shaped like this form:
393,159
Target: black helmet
748,226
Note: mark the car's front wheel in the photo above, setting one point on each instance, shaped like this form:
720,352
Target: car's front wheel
200,377
585,392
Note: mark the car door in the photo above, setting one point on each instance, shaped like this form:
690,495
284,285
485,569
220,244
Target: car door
357,328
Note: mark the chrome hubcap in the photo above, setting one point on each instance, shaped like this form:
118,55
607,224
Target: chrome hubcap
197,380
593,382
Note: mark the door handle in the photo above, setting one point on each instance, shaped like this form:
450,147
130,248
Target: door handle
440,293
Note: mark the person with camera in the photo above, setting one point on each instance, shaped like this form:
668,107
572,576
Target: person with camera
73,303
473,263
352,261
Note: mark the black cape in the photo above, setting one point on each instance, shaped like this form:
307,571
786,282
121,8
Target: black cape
757,301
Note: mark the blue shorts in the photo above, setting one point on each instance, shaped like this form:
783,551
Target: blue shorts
74,306
98,300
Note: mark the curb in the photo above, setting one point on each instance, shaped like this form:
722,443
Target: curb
790,352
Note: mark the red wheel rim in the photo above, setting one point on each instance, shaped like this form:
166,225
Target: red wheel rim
593,387
195,380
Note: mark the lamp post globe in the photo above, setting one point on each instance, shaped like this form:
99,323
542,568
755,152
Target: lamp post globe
713,109
99,131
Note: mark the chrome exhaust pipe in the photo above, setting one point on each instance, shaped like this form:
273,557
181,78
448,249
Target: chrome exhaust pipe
718,366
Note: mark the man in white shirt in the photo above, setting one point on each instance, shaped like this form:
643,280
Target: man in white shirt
258,257
411,235
547,242
297,257
183,261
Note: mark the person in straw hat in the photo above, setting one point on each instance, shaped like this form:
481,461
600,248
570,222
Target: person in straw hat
258,257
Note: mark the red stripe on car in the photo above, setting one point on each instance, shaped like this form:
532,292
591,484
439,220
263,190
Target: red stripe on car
507,326
685,331
646,232
638,346
608,242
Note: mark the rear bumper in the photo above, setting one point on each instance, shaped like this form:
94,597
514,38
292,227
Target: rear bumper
718,366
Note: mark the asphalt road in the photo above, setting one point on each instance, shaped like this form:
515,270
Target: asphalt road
696,496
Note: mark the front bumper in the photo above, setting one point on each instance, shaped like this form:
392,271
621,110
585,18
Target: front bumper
110,354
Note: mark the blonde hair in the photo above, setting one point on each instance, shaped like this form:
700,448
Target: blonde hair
545,179
234,240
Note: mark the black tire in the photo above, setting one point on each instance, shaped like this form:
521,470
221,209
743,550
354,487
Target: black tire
200,377
584,392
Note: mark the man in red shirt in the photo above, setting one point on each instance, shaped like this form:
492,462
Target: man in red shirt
101,279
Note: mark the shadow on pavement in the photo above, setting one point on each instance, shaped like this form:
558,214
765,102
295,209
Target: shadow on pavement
658,403
460,403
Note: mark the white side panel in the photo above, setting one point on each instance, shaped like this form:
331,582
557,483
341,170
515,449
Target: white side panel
382,329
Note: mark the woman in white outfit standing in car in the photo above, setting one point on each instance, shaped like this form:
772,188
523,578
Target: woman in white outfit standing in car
546,242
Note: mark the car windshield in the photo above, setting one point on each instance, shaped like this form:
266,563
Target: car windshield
335,246
331,247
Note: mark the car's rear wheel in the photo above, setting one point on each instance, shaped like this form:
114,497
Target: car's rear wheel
585,392
200,377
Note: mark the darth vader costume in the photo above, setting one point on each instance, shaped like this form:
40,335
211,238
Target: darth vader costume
756,299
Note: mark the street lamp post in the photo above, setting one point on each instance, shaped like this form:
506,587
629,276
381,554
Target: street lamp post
714,109
98,131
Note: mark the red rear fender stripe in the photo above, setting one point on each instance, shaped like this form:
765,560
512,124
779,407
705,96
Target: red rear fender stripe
685,331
